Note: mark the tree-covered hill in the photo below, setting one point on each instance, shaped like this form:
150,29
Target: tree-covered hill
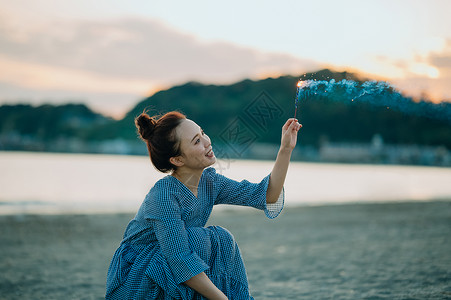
261,107
48,122
215,107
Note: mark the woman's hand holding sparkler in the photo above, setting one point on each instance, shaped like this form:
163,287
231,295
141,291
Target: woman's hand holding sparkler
289,134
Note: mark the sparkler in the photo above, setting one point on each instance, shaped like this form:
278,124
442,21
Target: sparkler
377,93
298,95
345,88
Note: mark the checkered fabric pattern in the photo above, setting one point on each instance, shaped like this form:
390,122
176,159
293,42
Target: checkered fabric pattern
167,242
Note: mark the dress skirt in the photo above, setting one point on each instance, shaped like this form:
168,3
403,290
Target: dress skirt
213,244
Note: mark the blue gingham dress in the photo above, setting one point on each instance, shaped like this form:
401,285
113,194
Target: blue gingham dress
167,243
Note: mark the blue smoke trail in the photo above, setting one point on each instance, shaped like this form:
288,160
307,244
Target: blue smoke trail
376,93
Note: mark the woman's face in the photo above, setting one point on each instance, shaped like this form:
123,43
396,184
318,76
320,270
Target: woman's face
195,146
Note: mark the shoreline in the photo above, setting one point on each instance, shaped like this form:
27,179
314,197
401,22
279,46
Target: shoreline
15,208
43,209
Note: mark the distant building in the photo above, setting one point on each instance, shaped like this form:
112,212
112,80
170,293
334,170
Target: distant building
378,152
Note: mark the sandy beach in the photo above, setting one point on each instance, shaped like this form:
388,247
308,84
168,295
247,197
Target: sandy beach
353,251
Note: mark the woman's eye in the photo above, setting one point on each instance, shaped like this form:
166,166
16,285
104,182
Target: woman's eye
197,141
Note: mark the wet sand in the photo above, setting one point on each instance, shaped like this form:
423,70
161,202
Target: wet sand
354,251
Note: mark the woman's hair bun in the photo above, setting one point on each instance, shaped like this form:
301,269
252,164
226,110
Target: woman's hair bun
146,125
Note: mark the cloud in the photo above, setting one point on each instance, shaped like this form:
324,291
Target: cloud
442,60
122,56
44,77
111,103
426,75
141,49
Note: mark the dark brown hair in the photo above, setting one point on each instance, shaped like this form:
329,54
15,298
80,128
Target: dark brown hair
159,135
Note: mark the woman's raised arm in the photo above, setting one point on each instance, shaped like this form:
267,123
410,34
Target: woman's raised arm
288,142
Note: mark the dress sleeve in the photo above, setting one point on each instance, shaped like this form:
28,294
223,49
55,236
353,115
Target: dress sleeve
246,193
163,211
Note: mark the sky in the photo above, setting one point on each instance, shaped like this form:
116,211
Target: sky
110,54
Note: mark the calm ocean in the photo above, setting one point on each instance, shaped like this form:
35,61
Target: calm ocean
73,183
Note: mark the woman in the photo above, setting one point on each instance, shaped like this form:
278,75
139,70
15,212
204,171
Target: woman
167,252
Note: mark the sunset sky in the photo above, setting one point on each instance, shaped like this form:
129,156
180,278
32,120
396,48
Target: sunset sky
110,54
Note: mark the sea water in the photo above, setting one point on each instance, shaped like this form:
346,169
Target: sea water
85,183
